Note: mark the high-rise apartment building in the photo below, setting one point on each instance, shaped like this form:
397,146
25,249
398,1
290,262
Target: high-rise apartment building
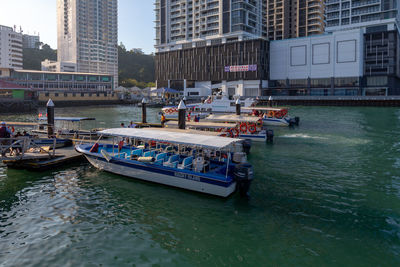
30,41
88,35
10,48
182,23
342,14
294,18
209,46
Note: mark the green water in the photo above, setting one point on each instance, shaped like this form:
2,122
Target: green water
326,193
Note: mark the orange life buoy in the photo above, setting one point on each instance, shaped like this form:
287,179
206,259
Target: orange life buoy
235,132
243,127
271,114
252,128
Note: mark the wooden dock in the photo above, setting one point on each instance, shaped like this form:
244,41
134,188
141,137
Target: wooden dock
39,162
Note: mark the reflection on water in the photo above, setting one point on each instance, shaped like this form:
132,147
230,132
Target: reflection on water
326,193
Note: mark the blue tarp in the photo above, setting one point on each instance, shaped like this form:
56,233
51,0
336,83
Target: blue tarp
165,90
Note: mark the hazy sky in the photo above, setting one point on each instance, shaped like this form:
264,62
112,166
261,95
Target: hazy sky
135,22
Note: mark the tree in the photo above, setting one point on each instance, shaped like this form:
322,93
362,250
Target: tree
33,57
135,67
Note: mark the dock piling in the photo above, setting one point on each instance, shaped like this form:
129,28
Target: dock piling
144,114
50,118
182,115
238,111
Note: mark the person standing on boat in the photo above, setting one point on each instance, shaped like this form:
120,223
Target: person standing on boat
132,125
123,125
163,120
5,133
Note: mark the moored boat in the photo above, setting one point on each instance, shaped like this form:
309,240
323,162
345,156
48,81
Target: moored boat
213,104
246,127
272,116
202,163
68,127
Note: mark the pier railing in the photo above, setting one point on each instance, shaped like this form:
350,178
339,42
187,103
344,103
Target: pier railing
17,147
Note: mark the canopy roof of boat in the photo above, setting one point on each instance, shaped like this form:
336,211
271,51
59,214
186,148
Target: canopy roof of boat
231,118
190,139
74,119
203,124
264,108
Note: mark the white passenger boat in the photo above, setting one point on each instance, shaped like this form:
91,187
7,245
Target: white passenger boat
202,163
68,127
213,104
272,116
246,127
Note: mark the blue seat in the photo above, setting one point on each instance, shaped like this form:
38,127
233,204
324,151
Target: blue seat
149,154
159,162
161,156
171,161
187,163
137,152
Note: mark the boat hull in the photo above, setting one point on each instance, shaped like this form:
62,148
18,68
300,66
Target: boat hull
160,175
275,122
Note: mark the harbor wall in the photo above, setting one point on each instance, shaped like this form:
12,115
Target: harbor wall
377,101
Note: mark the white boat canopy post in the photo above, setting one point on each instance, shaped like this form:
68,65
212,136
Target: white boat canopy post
194,140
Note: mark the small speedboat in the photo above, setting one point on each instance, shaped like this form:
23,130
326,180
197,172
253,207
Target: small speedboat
202,163
273,116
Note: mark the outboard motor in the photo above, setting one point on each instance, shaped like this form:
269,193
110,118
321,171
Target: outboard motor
247,146
297,121
239,157
243,174
270,136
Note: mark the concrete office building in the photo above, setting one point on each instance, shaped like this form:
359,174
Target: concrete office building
88,35
294,18
204,46
11,53
347,14
362,61
30,41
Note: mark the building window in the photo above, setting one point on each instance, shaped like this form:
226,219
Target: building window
65,94
298,82
56,94
82,94
377,81
46,94
348,81
324,82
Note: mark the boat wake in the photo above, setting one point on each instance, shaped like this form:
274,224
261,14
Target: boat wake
329,139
